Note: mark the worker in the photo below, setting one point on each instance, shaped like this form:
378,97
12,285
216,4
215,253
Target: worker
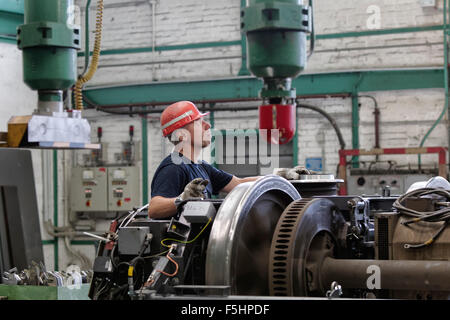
182,174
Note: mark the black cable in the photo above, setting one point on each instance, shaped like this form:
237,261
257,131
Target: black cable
429,242
329,118
441,215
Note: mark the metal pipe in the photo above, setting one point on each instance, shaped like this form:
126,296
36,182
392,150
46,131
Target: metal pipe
387,274
166,103
159,110
153,62
313,32
394,46
55,208
377,127
153,5
376,113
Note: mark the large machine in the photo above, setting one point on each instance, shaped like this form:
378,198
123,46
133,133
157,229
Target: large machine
49,40
276,33
265,240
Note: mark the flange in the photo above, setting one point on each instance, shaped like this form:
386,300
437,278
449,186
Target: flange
240,239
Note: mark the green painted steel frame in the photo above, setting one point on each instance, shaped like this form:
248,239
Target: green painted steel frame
351,83
12,6
8,24
248,87
11,15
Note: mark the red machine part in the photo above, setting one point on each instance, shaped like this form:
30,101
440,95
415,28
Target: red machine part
277,116
112,228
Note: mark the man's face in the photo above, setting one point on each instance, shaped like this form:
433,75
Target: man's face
199,133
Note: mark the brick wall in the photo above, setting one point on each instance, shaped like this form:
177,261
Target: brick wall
129,24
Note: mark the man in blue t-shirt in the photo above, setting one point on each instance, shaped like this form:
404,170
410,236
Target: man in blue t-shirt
181,175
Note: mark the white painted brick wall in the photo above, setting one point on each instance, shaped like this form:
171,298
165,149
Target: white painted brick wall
15,97
177,23
189,22
128,24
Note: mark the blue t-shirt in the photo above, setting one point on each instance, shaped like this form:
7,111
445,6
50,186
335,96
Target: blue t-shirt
176,171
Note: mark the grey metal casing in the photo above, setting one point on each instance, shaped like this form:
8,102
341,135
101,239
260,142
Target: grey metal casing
20,235
123,188
88,189
199,211
131,240
102,189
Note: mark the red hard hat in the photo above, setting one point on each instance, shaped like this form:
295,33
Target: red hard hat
178,115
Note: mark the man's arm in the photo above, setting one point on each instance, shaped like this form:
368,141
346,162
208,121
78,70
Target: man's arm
236,181
160,207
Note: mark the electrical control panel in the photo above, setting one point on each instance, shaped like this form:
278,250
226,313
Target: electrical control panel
101,189
123,188
88,189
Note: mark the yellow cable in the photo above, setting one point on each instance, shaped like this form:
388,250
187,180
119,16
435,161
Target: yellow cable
185,242
82,79
130,271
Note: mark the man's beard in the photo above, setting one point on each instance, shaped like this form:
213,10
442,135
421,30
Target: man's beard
205,143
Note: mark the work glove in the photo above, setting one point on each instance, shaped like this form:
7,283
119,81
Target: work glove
293,173
194,189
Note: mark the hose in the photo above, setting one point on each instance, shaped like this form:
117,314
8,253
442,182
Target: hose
313,33
86,263
329,118
82,79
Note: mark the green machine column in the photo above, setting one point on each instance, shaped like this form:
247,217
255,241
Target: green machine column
49,41
276,43
276,52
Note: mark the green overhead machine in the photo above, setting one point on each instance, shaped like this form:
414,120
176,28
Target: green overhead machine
276,43
49,40
276,34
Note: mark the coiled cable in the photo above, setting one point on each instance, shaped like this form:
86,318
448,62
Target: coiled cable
82,79
440,215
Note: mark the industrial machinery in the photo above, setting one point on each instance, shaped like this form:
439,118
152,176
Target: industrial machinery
265,240
385,176
49,40
363,181
276,51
